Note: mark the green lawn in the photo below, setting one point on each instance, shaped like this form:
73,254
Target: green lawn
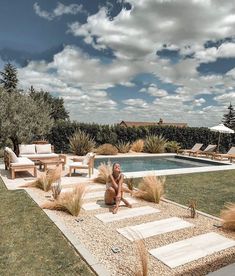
211,190
30,244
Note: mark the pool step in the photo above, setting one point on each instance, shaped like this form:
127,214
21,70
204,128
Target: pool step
129,213
153,228
185,251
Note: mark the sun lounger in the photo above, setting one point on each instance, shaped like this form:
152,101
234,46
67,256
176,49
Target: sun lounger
208,151
194,149
229,155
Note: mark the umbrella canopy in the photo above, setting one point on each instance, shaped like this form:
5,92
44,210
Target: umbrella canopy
221,128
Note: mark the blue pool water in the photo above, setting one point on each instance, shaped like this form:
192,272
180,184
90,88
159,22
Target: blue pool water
142,163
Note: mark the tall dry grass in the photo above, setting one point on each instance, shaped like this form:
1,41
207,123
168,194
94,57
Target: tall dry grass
151,188
105,170
45,180
107,149
142,253
228,216
69,202
123,147
138,146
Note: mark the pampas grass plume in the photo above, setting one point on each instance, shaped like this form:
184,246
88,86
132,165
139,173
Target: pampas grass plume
228,216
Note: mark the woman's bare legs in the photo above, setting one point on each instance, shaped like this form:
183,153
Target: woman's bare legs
109,196
126,202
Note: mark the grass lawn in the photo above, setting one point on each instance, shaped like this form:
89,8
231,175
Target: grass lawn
211,190
30,244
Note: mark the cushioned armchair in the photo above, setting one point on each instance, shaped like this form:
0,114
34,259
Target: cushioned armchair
85,163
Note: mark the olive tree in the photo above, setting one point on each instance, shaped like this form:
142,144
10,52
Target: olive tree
21,118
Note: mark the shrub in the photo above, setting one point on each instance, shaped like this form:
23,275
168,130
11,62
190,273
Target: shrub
155,144
151,188
228,216
138,145
104,172
123,147
106,149
81,143
45,180
172,146
70,202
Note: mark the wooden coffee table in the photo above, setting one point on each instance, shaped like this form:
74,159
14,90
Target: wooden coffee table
47,162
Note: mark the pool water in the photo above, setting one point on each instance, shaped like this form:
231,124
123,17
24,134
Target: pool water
143,163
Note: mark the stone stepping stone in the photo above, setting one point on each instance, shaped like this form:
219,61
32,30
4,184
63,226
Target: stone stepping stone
94,205
94,195
185,251
124,214
96,187
153,228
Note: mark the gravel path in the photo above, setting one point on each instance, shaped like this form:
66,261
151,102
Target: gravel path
99,238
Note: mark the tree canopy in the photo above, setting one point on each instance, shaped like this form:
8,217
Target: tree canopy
9,78
21,118
58,111
229,118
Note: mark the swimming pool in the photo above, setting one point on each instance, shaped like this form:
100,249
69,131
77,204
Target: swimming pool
158,163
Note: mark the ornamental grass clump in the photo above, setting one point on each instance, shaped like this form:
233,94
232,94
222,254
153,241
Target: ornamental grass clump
45,181
142,253
81,143
107,149
155,144
137,146
69,202
228,216
105,170
123,147
173,147
151,188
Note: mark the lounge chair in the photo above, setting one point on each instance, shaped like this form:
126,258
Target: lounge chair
85,163
229,155
194,149
208,151
17,164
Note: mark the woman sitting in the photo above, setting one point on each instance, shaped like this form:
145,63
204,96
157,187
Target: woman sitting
114,189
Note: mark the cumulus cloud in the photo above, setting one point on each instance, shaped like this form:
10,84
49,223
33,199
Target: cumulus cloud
153,90
59,10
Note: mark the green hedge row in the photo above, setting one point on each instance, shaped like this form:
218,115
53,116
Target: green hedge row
187,137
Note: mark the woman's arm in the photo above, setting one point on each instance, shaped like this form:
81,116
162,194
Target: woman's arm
114,184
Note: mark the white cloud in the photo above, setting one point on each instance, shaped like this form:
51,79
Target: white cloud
153,90
199,102
137,103
58,11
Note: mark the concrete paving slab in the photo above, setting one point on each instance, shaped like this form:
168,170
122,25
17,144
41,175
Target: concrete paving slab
153,228
185,251
124,214
100,204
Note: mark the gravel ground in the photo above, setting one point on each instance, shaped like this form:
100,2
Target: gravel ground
99,238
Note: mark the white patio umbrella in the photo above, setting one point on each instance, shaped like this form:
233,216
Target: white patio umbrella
221,128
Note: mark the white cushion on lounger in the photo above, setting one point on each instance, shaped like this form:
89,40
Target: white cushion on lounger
22,161
43,148
27,149
13,156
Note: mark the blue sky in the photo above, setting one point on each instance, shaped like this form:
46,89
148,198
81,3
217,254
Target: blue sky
137,60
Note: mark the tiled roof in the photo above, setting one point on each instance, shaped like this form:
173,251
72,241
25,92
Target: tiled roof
136,124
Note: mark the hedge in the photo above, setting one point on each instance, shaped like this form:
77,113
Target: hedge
187,137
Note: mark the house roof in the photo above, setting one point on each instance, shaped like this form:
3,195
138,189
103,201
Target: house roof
160,123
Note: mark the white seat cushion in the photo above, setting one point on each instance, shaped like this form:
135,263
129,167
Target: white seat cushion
37,155
87,158
79,165
22,161
41,149
27,149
